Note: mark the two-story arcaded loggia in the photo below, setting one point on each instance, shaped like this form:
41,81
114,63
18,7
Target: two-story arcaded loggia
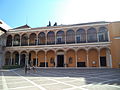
79,45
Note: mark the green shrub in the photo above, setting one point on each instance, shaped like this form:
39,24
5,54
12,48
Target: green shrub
11,66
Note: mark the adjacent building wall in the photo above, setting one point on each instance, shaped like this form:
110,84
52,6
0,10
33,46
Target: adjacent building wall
114,29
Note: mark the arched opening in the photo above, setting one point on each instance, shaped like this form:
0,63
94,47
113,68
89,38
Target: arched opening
33,39
60,58
70,37
71,59
103,34
80,36
103,57
41,38
24,40
60,37
23,58
50,61
15,60
9,40
51,37
16,40
41,58
33,61
81,58
93,58
92,35
7,58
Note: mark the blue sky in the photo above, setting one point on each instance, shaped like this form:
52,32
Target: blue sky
38,13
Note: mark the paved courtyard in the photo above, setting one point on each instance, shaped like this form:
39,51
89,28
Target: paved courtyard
60,79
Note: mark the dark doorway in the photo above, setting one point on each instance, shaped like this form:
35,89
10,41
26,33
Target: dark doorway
16,59
60,60
81,64
103,61
22,62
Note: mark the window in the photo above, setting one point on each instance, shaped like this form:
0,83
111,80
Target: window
24,40
70,36
92,35
32,40
9,41
16,40
103,34
51,37
81,36
60,37
41,38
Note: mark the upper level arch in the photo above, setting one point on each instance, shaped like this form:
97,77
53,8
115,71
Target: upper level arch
9,40
50,37
70,36
24,40
80,36
32,39
41,38
60,37
103,34
92,35
16,41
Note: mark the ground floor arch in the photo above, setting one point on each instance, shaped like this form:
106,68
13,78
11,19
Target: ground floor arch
93,57
105,57
8,58
33,61
81,58
60,58
50,58
70,58
41,58
23,55
15,58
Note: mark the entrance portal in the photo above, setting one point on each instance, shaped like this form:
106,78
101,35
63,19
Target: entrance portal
60,60
102,61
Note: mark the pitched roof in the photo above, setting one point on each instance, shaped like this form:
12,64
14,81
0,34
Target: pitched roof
24,26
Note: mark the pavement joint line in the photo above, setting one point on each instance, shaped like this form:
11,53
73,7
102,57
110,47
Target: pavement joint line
62,82
5,87
40,87
21,87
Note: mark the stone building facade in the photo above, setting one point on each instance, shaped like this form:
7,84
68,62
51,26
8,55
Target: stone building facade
78,45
